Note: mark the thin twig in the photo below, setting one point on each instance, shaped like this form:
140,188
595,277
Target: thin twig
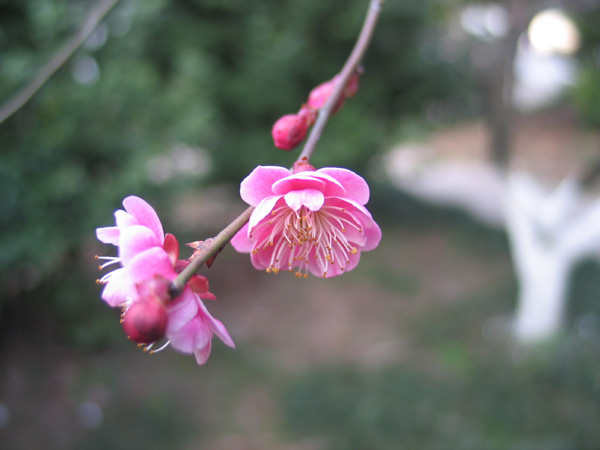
210,249
13,104
351,64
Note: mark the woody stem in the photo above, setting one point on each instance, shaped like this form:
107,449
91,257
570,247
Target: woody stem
352,63
209,249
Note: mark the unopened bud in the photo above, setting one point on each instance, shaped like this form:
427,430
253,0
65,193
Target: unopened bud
145,321
319,96
308,114
289,131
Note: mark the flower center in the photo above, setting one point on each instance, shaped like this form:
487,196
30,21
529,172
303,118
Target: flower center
302,238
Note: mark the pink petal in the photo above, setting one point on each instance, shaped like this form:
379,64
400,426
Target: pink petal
108,235
241,242
310,198
203,353
192,336
333,187
258,185
263,209
355,186
117,290
217,327
182,310
300,181
124,219
134,240
360,213
373,234
145,214
149,263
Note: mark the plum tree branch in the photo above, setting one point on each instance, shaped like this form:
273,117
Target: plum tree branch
350,66
212,247
13,104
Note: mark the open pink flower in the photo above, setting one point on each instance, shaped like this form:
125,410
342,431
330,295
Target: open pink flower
146,255
312,220
137,229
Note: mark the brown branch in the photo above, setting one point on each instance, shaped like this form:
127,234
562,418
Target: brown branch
351,64
211,248
208,250
13,104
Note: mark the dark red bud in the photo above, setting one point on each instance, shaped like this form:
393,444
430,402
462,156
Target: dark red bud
145,321
289,131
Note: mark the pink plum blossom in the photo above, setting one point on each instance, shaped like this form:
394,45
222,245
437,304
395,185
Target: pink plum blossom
147,256
314,221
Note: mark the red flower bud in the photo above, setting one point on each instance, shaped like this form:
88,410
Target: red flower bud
308,114
319,96
289,131
145,321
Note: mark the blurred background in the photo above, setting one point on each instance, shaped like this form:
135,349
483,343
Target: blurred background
173,100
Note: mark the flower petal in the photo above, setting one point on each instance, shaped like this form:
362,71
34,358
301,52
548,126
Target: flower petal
108,235
217,327
182,310
134,240
145,215
360,214
263,209
332,186
355,185
123,219
194,335
373,234
300,181
147,264
117,289
203,353
310,198
258,185
241,242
